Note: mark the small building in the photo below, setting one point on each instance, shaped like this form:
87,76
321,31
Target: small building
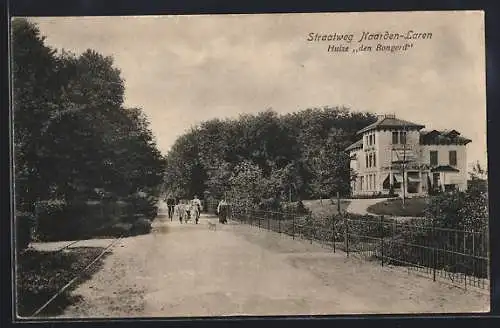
393,154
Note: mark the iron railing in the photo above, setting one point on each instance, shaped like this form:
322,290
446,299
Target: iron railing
457,256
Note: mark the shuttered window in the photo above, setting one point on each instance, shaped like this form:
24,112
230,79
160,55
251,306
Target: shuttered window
453,157
394,138
434,157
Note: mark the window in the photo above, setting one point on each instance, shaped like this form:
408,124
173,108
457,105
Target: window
370,160
402,138
434,157
374,139
374,162
394,138
453,157
366,160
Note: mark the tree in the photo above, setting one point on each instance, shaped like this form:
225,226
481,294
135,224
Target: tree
300,153
36,92
73,139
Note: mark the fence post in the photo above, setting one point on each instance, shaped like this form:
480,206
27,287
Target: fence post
333,232
269,221
293,226
382,240
346,234
434,250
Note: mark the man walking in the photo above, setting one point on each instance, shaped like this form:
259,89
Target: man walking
170,205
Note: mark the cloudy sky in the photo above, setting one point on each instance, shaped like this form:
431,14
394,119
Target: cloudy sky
185,69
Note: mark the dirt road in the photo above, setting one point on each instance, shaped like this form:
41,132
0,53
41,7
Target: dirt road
189,270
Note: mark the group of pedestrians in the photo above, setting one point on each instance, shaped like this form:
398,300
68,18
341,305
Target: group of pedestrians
193,205
222,211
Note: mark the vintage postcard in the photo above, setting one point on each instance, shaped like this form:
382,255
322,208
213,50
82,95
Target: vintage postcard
250,165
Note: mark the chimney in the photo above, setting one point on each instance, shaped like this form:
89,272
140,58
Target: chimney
382,116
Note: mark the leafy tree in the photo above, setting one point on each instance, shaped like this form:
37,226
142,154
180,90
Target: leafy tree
36,93
299,154
73,139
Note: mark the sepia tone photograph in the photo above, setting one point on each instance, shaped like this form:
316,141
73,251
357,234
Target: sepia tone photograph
249,165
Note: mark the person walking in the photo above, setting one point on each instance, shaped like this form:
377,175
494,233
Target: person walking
171,206
223,211
196,203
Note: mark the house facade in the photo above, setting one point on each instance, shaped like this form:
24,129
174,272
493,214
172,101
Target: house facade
398,155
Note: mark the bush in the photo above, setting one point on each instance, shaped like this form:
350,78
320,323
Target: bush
141,226
271,204
144,205
301,209
459,210
78,220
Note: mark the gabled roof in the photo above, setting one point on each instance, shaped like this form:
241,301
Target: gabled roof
446,137
357,144
391,122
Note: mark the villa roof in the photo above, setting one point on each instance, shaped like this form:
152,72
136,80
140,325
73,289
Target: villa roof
391,122
445,137
355,145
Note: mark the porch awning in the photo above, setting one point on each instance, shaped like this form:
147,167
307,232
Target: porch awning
444,168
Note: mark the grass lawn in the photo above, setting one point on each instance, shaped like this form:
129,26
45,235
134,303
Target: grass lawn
394,207
326,207
40,275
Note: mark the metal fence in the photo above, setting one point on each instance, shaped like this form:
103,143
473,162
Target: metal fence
457,256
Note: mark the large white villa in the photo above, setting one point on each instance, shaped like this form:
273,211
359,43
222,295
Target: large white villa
397,153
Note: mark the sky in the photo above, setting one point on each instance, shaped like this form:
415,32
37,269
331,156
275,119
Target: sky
186,69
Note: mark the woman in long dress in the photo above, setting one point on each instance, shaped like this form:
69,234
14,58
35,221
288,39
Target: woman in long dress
223,211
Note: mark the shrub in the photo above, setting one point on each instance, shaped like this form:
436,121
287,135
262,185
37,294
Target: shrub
459,210
58,220
270,204
301,209
143,204
141,226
